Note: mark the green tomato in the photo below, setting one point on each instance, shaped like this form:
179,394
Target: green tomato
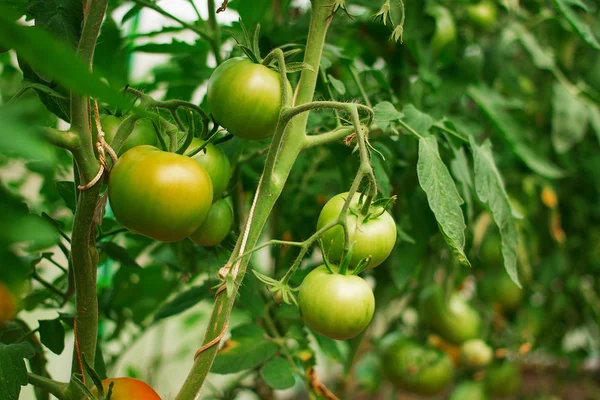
469,390
217,225
162,195
443,41
245,98
142,133
334,305
417,369
374,236
498,288
475,353
483,14
454,320
215,162
503,379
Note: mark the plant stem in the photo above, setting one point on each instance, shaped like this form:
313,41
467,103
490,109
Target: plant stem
327,137
55,388
280,160
215,31
63,139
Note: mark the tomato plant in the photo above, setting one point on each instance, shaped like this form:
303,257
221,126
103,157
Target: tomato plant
215,162
216,226
335,305
372,235
142,133
158,194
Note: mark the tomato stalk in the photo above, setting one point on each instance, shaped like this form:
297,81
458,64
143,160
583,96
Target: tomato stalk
57,389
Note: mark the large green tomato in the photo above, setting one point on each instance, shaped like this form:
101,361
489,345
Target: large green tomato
417,369
245,98
215,162
469,390
334,305
217,225
128,389
162,195
483,14
454,320
374,236
503,379
142,133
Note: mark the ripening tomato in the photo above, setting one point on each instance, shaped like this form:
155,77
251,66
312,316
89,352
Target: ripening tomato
454,320
162,195
334,305
475,353
142,133
503,379
215,162
8,304
245,98
128,389
373,235
415,368
469,390
217,225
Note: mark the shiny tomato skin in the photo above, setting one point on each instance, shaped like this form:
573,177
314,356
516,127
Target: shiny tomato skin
8,304
415,368
215,162
245,98
142,133
375,238
216,226
333,305
128,389
162,195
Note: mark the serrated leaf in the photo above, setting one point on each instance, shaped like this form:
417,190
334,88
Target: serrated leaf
278,374
183,302
569,118
13,373
513,133
52,335
246,349
442,196
490,190
417,119
582,29
133,11
385,114
337,84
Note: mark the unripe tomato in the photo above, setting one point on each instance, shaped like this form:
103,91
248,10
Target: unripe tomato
245,98
217,225
417,369
498,288
128,389
443,41
8,304
503,379
475,353
215,162
454,320
469,390
334,305
483,14
162,195
142,133
374,235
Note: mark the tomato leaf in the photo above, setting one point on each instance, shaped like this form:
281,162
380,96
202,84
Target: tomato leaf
417,120
512,133
582,29
118,254
540,57
246,349
490,190
13,370
462,173
337,84
570,118
183,302
442,196
278,374
52,335
385,113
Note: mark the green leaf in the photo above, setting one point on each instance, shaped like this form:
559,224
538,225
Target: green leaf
62,18
582,29
175,47
13,373
512,133
490,190
540,57
462,172
417,120
52,335
385,113
246,349
594,114
183,302
330,347
118,254
66,190
337,84
278,374
442,196
569,118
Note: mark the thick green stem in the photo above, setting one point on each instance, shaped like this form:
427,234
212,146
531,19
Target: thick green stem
281,157
215,31
84,256
55,388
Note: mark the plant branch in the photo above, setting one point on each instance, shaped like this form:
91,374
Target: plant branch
215,31
57,389
63,139
327,137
